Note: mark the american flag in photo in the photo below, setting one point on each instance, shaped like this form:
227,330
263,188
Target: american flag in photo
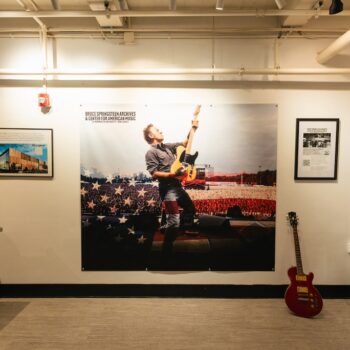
113,208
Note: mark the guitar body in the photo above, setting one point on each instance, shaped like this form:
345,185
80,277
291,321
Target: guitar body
185,161
301,296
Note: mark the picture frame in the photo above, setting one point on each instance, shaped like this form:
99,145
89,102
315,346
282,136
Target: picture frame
26,152
316,149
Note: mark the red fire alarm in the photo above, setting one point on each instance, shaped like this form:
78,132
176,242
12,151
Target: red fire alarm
44,100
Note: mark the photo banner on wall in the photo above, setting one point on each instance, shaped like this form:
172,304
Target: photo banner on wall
221,218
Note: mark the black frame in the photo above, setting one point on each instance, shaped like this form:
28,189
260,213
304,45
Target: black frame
50,155
335,164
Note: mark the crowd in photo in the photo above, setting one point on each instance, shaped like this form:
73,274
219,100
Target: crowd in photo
217,192
249,206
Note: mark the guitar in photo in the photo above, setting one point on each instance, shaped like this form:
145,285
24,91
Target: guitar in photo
184,162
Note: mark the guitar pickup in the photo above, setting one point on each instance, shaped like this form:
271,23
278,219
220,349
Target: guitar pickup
302,290
300,278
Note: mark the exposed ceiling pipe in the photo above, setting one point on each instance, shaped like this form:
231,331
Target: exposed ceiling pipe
333,49
172,5
276,54
189,13
219,5
280,3
21,3
35,6
180,30
189,71
155,36
123,5
56,5
42,33
36,19
41,24
43,37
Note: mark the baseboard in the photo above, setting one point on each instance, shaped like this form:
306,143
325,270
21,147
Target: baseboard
160,290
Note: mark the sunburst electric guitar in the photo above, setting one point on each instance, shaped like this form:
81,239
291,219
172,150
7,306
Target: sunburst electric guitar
184,162
301,296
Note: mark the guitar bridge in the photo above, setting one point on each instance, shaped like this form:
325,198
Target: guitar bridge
303,298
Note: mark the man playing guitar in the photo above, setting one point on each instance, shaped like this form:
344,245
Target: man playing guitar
159,159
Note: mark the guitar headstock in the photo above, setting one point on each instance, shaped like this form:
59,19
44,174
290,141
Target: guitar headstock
197,111
293,219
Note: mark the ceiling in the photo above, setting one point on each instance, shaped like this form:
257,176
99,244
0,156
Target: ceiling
154,18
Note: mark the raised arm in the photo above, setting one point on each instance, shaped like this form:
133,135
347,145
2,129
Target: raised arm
194,125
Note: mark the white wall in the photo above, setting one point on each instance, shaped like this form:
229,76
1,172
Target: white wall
41,240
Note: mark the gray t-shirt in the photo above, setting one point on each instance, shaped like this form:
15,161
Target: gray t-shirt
160,157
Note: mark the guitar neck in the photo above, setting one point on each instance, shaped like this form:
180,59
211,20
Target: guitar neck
297,252
190,137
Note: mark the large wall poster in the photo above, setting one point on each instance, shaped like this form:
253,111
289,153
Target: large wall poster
234,192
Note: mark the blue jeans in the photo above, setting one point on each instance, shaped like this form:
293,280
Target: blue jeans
174,198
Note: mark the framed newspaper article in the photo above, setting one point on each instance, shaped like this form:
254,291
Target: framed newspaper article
26,152
316,149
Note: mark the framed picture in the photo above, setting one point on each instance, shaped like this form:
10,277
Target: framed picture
26,152
316,149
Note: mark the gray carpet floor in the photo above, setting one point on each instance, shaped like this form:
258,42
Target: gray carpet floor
157,323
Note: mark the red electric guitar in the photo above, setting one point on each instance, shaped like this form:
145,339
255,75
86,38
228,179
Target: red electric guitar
301,296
